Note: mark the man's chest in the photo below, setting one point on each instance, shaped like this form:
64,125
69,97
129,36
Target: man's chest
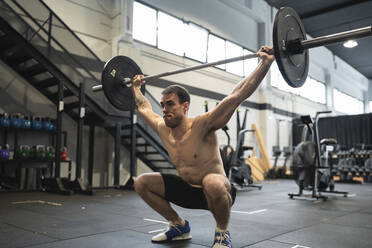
186,150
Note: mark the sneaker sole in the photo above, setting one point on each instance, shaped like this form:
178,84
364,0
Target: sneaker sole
183,237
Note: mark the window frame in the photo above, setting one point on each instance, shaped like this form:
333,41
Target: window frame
184,53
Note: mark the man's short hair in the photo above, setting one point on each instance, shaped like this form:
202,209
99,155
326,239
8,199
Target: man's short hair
182,93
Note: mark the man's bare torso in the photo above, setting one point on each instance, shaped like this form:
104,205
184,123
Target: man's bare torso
195,154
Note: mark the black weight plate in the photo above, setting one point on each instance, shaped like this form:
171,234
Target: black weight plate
294,67
115,90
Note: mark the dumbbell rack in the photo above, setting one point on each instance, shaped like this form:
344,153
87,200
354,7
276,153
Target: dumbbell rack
349,169
23,166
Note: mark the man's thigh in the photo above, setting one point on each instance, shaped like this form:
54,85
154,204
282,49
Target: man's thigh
179,192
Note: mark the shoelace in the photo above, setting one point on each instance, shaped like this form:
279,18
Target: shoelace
175,226
222,237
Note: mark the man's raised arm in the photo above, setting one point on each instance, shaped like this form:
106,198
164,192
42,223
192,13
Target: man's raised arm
143,105
218,117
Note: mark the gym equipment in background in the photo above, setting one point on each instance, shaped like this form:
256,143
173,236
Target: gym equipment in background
16,120
26,122
4,152
309,170
4,120
36,122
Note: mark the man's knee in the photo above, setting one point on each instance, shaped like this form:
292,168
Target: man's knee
140,183
215,185
149,182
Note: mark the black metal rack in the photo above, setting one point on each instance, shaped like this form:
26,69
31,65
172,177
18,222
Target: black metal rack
18,181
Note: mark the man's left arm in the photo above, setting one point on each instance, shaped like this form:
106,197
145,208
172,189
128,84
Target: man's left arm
219,116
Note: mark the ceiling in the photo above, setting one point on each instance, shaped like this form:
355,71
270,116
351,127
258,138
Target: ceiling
321,17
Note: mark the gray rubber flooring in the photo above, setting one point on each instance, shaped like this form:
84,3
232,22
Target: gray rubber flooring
119,218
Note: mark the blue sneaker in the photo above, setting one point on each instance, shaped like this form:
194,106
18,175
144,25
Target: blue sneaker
174,232
222,240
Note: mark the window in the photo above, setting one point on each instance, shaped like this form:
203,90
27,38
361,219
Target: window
346,104
216,49
249,64
196,42
233,50
144,23
313,90
279,82
171,34
370,106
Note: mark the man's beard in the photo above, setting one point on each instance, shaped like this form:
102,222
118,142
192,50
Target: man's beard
173,122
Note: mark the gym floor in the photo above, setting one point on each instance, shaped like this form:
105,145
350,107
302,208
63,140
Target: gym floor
119,218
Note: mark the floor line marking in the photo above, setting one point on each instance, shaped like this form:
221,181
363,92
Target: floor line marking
38,201
157,221
252,212
158,230
300,246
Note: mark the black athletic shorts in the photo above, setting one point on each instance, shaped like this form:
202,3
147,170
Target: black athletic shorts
184,195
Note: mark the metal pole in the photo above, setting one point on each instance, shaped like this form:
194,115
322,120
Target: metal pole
318,162
60,107
338,37
192,68
91,154
117,155
133,144
79,141
49,32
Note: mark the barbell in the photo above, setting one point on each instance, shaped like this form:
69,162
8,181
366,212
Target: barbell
290,50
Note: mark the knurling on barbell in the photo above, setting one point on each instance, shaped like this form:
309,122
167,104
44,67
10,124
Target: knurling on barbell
290,48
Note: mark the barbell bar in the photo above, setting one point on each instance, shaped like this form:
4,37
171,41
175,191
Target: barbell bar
333,38
290,49
191,68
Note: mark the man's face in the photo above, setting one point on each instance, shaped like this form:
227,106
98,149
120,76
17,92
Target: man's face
173,111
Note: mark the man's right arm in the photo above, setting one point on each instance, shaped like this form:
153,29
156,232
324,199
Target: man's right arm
219,116
144,106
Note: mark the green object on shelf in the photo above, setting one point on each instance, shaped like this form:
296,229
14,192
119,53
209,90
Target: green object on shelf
38,152
22,152
50,153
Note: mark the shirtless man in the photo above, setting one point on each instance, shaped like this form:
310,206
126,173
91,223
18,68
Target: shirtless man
193,148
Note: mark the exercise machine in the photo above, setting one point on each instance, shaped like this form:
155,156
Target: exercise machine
310,171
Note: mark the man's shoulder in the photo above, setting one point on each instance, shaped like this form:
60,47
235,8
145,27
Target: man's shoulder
202,116
201,121
198,119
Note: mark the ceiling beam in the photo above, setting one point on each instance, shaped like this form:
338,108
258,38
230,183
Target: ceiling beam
331,8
